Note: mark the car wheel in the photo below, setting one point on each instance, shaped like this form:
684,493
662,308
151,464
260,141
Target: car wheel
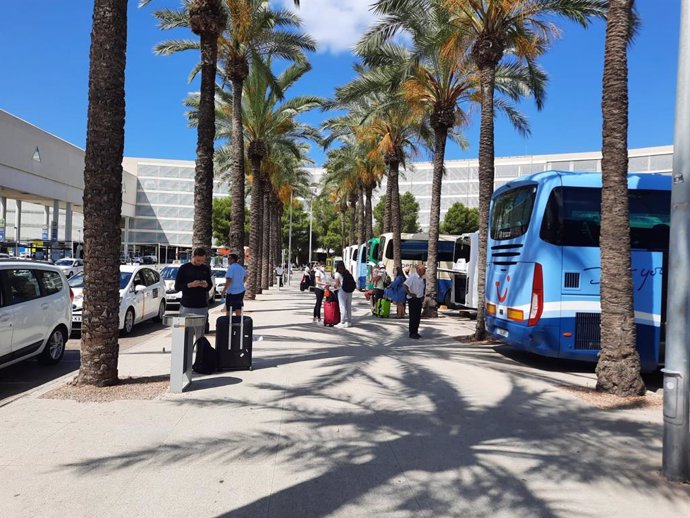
129,322
161,312
54,349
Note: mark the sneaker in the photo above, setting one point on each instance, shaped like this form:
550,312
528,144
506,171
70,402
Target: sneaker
415,336
340,325
346,324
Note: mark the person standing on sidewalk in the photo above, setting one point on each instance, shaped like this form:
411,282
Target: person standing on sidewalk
193,280
233,291
320,283
414,287
345,289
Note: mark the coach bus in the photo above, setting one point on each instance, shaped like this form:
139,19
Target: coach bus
415,248
543,264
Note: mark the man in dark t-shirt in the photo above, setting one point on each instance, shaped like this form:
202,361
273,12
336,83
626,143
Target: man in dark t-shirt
194,280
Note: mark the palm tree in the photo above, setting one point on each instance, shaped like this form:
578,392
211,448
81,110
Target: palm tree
383,124
618,369
268,124
105,137
492,29
253,31
207,19
438,79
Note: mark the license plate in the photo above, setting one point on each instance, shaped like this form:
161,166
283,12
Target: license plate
171,297
76,318
501,332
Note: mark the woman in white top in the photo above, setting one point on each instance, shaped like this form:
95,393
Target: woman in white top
344,298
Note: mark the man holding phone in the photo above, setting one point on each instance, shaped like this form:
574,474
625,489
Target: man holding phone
193,280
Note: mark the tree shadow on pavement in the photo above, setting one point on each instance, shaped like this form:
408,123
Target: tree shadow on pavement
415,428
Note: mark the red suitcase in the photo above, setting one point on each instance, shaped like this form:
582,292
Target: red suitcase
331,313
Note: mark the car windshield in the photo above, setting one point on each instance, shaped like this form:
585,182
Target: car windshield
64,262
76,281
169,273
124,279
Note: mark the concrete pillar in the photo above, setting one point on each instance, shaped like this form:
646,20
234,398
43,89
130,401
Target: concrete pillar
126,238
46,225
68,229
17,226
3,218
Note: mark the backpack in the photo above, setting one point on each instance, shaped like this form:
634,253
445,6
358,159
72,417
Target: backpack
206,361
349,284
312,278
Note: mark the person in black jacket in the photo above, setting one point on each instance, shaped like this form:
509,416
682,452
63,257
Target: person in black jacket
194,280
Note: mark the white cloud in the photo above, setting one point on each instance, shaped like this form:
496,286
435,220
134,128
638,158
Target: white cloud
336,25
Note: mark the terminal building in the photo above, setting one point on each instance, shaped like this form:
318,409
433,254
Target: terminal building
41,187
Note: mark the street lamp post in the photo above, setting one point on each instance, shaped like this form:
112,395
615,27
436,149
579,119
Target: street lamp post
290,243
676,447
16,243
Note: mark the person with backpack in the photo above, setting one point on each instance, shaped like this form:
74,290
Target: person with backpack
379,279
321,282
345,284
396,293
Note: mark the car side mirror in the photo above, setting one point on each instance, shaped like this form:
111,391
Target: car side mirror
139,288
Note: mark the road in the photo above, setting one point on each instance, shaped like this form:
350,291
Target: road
27,375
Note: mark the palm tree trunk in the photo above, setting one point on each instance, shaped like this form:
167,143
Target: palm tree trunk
486,186
278,243
352,214
368,230
360,216
236,235
266,239
395,216
430,306
275,236
253,272
206,134
105,137
618,369
387,208
343,209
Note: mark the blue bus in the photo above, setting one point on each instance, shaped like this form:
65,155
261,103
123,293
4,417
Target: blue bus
543,264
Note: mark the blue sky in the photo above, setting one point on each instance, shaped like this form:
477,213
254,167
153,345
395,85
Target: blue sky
44,47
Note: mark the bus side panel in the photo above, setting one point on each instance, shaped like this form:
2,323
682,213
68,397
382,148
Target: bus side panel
581,308
362,268
443,287
648,273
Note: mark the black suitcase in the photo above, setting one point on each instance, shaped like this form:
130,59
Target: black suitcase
234,354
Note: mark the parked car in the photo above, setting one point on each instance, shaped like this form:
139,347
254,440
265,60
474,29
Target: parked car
3,255
168,274
35,312
142,297
218,277
149,259
70,266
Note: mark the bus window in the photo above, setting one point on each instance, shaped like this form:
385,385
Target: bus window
446,251
378,249
573,218
512,212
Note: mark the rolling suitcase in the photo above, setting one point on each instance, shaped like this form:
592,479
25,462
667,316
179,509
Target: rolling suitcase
234,353
331,313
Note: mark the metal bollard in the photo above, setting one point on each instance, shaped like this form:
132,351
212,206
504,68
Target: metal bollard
182,349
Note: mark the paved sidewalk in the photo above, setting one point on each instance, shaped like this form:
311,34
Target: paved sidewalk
353,422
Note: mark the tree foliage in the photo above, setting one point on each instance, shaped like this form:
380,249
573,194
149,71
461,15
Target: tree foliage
409,214
460,220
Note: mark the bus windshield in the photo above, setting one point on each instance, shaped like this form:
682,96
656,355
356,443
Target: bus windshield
573,218
512,212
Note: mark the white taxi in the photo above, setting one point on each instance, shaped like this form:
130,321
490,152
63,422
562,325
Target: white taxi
142,297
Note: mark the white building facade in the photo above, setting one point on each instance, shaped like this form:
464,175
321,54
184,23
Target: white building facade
41,188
